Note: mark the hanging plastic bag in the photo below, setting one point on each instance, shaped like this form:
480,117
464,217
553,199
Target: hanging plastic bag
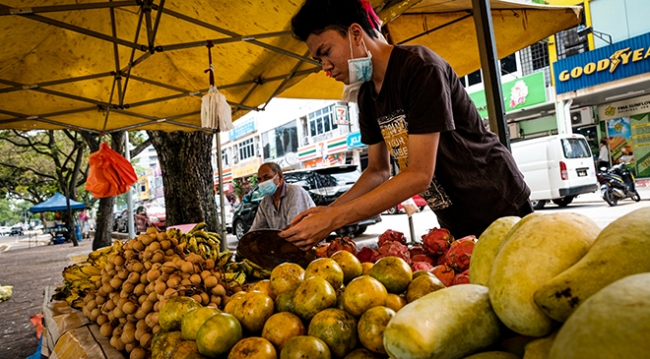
110,173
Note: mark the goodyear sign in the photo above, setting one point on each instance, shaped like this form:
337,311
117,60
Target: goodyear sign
614,62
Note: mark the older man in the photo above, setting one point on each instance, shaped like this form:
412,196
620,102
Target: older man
282,201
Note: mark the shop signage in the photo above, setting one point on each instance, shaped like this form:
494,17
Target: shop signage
517,94
354,140
614,62
628,107
323,148
341,113
242,129
246,167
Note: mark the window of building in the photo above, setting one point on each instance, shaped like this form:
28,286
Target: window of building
509,65
474,78
224,157
322,121
280,141
246,149
539,55
462,81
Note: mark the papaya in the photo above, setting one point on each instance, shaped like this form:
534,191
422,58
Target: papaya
480,265
621,249
612,323
539,250
450,323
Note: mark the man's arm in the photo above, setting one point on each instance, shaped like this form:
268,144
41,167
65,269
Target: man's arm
416,178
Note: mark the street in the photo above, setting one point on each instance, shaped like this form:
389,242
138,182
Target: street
28,240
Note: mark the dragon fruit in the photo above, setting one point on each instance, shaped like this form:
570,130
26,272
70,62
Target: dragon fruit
366,254
461,278
423,258
441,261
460,253
394,249
417,249
437,241
421,265
391,236
342,244
321,250
445,274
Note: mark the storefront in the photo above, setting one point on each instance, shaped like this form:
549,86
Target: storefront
332,152
614,79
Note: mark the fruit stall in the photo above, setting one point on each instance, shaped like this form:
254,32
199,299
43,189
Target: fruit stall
542,286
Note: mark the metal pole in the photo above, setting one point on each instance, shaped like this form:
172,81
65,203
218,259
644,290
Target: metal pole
129,194
412,230
491,73
222,222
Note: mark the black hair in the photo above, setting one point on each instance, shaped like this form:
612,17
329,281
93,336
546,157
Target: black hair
274,167
316,16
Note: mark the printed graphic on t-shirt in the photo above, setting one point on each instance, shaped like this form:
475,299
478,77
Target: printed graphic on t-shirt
394,129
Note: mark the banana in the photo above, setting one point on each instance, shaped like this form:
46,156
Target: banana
198,227
238,278
192,246
258,271
73,273
90,270
224,258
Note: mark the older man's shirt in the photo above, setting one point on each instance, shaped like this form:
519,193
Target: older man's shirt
293,200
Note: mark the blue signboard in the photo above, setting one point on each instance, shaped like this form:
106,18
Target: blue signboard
614,62
242,130
354,140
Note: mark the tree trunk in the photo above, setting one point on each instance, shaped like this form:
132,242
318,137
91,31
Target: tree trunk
104,220
188,177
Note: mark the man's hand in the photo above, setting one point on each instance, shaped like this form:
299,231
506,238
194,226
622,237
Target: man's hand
310,229
307,213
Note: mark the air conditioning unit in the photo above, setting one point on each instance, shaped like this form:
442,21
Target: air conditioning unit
513,128
582,116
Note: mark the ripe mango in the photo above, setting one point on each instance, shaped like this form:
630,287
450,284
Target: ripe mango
539,250
612,323
486,249
621,249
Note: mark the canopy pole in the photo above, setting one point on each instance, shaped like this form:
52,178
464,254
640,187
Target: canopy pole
129,194
489,64
222,207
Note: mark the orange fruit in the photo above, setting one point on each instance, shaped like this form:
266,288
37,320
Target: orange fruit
253,310
336,328
421,272
371,328
193,320
303,347
395,302
422,286
363,293
284,301
286,276
164,343
362,353
393,272
312,296
264,286
326,268
349,263
218,335
365,268
253,348
281,327
172,312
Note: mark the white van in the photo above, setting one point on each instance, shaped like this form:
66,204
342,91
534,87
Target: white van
556,168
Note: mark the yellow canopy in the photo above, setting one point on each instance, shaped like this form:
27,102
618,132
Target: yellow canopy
106,66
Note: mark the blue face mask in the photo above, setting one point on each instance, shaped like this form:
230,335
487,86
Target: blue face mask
360,70
267,188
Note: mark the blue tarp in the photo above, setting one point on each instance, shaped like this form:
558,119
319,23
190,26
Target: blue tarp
56,203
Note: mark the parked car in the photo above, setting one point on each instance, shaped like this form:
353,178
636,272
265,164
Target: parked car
151,216
419,201
324,185
5,231
16,231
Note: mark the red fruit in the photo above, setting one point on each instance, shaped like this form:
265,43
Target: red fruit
366,254
422,258
441,261
417,249
391,236
321,250
437,241
460,253
394,249
416,266
445,274
342,244
461,278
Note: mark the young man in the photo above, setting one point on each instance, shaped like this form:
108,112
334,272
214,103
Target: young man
282,201
603,155
412,107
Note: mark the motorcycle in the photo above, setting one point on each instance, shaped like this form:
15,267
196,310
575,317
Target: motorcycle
617,183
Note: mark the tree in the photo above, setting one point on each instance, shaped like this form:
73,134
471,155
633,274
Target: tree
188,177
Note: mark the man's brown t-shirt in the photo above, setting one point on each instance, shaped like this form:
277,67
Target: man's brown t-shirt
476,179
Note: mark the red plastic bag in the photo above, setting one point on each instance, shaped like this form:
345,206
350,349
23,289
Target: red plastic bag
110,173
